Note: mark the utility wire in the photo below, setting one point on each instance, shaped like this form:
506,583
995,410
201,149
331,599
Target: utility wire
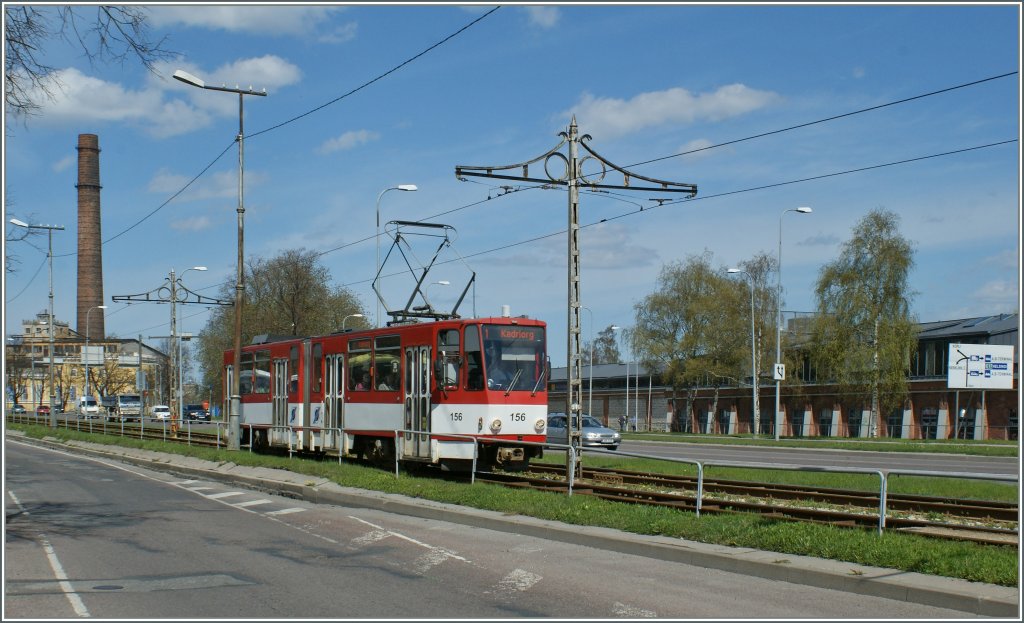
380,77
833,118
705,197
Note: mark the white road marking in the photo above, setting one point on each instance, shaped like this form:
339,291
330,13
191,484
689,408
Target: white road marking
285,511
198,489
518,580
632,612
226,494
387,533
371,537
58,570
253,503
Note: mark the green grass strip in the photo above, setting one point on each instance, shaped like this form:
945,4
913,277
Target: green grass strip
906,552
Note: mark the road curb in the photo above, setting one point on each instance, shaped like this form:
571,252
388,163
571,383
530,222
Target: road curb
971,597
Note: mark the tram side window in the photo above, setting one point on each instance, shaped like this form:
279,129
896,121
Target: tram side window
359,365
293,370
387,354
245,374
318,368
474,366
261,373
448,355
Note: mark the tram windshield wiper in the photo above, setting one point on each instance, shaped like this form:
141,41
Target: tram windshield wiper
540,379
515,378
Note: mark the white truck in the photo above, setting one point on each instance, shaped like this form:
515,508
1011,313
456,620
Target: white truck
123,407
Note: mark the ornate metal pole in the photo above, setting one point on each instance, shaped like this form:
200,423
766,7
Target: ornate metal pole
572,179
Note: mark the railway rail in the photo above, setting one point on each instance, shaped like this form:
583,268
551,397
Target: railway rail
981,521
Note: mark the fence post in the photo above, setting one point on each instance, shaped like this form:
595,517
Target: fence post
397,453
700,486
883,492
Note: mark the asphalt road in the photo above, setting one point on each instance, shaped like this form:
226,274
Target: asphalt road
96,538
813,457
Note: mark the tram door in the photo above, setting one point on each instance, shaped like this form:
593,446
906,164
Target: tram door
334,396
417,401
279,403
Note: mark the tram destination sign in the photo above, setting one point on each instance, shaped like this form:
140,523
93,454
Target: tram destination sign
980,366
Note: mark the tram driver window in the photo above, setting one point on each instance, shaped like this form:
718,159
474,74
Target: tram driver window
474,368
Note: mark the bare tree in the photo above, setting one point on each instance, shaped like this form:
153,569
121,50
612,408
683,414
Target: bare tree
114,34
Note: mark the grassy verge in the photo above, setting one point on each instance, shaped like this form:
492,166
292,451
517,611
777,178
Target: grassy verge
987,447
953,488
907,552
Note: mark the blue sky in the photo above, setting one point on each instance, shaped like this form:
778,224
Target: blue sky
646,82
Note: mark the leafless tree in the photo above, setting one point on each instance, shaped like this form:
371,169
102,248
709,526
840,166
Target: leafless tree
115,34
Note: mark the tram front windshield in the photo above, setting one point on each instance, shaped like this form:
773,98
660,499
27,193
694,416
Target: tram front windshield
514,357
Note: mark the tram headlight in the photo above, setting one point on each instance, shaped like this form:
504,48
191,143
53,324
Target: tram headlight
496,425
539,425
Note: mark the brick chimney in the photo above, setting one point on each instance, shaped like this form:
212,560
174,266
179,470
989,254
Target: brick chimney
90,251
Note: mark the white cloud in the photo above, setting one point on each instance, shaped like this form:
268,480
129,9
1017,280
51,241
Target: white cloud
84,98
63,164
264,20
348,140
220,185
543,16
698,147
859,72
341,34
195,223
616,117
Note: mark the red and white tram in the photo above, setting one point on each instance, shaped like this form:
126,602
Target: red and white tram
438,382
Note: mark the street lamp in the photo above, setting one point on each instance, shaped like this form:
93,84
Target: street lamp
187,78
780,370
89,311
756,419
49,255
626,416
590,384
407,188
345,319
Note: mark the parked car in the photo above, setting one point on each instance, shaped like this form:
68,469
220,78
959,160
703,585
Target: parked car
160,412
593,434
43,410
18,409
195,413
88,408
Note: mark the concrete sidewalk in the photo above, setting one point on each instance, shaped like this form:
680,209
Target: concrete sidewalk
971,597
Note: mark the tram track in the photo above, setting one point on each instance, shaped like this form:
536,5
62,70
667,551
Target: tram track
981,521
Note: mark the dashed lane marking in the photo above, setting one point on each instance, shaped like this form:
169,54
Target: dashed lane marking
285,511
226,494
625,611
252,503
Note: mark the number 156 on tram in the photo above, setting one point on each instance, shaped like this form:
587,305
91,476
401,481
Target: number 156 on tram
445,385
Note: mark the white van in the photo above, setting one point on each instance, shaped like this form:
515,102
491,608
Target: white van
88,407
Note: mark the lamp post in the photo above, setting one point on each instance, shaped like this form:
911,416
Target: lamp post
49,255
626,416
756,418
87,352
780,370
187,78
406,188
442,282
345,319
590,383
